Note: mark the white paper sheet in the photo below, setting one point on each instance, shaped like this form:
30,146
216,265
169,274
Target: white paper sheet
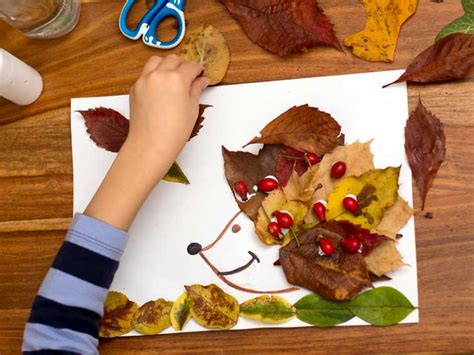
156,263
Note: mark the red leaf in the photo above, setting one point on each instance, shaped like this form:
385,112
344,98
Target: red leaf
199,121
109,129
283,27
448,59
287,160
250,168
304,128
425,146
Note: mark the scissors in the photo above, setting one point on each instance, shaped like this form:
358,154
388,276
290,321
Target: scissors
151,20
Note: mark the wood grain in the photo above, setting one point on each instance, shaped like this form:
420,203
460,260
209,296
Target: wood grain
95,59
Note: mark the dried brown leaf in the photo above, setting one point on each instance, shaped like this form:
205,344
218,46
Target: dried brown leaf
283,27
425,146
303,128
448,59
384,258
394,218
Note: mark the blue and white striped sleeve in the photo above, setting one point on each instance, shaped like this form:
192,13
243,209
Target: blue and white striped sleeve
66,312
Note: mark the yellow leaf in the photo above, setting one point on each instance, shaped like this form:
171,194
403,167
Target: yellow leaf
375,190
153,317
180,313
268,309
207,46
276,201
384,258
176,174
394,218
377,41
212,308
119,315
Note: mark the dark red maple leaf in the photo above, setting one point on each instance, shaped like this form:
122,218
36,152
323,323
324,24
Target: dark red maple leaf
287,160
425,146
109,128
283,27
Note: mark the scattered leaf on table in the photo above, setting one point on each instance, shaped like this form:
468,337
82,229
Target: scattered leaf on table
303,128
153,317
464,24
338,277
250,168
448,59
267,309
381,306
288,160
375,190
108,129
378,40
119,315
315,310
283,27
275,201
425,146
207,46
384,258
394,218
180,312
212,308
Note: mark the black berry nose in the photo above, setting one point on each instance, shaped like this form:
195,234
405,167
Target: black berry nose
194,248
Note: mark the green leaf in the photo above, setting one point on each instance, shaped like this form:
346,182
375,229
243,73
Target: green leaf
176,174
381,306
464,24
267,309
315,310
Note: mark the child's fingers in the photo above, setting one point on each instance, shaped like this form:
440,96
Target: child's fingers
197,87
171,62
191,70
151,65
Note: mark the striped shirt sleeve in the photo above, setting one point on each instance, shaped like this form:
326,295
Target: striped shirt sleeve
65,314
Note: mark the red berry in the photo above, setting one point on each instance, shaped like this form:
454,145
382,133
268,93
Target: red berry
240,189
326,246
274,229
267,184
350,203
338,169
350,244
319,209
312,158
284,219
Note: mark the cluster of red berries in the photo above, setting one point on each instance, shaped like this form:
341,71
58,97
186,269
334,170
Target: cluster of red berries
350,244
267,184
284,220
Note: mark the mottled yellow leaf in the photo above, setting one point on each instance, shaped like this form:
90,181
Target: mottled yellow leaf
276,201
119,315
207,46
375,190
268,309
153,317
384,258
377,41
394,218
180,312
212,308
176,174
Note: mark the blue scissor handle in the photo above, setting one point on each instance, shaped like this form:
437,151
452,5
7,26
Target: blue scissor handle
150,21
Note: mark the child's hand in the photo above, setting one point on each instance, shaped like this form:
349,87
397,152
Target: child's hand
164,104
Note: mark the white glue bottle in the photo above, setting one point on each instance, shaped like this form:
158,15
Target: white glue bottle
19,82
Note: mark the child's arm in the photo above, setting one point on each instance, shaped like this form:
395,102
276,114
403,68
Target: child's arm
69,304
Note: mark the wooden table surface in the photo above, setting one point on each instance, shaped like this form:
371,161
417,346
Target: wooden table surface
95,59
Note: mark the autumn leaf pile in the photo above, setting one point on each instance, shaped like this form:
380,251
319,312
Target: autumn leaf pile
212,308
382,212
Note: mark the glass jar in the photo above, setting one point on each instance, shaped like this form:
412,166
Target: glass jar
41,18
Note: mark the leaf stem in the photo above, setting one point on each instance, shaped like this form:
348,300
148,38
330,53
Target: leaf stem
295,237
